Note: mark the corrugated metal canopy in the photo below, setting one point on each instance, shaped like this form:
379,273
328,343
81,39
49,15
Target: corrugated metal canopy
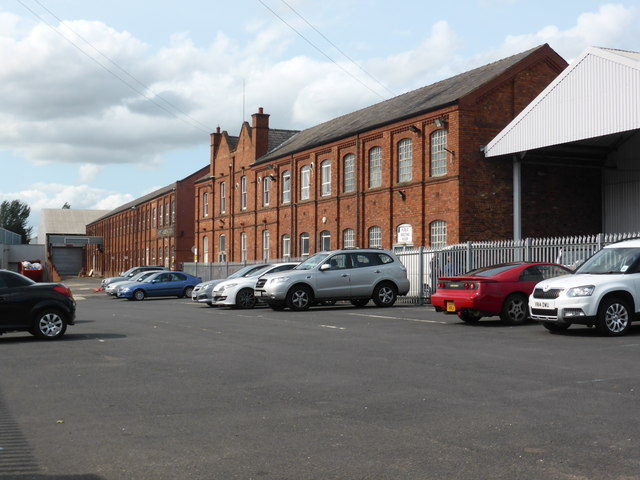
596,97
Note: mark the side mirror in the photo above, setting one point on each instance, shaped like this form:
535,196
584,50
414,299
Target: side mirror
325,266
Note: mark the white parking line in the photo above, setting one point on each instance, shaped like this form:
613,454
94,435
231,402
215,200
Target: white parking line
397,318
333,326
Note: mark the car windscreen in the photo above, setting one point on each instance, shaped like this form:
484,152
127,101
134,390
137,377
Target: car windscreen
312,262
612,261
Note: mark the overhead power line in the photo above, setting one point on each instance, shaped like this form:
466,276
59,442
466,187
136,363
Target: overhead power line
320,50
168,107
339,50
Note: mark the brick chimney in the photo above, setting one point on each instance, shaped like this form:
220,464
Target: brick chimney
216,138
260,132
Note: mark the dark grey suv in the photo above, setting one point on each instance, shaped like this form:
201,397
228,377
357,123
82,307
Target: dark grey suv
355,275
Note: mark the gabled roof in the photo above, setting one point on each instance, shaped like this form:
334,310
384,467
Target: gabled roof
597,95
416,102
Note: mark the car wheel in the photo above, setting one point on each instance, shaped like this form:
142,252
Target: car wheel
359,302
384,295
245,298
515,310
187,292
299,298
613,318
49,325
468,317
556,327
139,295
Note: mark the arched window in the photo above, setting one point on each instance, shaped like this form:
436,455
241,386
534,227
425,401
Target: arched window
243,246
286,187
326,178
305,182
205,249
265,245
438,153
438,234
325,240
304,244
348,238
375,167
375,237
349,173
405,160
286,247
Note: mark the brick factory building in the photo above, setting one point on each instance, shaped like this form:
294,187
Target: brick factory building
406,171
156,229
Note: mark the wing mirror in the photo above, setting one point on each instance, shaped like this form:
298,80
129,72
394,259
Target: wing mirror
324,266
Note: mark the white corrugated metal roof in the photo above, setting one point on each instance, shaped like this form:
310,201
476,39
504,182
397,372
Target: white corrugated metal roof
66,221
597,94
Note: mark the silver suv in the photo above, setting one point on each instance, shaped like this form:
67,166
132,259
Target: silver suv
356,275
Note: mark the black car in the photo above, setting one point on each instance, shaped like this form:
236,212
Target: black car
42,309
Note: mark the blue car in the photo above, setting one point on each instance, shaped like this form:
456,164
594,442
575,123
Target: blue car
161,284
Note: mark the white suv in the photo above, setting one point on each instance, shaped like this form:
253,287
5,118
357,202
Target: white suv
604,291
356,275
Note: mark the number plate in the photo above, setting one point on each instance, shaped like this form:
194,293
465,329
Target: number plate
451,307
540,304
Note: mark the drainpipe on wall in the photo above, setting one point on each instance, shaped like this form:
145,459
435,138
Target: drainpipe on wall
517,196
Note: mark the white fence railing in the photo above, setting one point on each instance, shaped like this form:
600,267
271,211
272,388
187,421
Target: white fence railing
425,265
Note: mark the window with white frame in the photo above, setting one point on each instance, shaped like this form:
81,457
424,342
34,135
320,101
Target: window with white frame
286,187
349,173
325,240
265,245
205,249
326,178
243,247
304,244
375,237
243,193
286,247
154,218
173,211
438,234
266,188
161,216
222,254
348,238
405,160
167,213
223,197
205,204
305,182
439,153
375,167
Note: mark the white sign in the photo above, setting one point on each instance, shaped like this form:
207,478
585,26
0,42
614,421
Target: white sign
405,233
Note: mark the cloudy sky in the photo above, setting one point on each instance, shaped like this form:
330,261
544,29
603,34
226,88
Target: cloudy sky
103,102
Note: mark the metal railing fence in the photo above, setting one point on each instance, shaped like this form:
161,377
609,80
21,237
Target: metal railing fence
425,265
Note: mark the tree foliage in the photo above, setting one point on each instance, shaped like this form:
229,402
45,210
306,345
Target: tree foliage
14,216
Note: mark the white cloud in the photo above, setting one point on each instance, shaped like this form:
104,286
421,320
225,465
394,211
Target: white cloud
88,172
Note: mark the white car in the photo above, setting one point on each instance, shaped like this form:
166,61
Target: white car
604,291
203,292
238,292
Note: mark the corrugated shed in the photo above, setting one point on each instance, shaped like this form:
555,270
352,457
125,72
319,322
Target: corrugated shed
66,221
598,94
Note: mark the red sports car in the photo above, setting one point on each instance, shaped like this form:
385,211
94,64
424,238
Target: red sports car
496,290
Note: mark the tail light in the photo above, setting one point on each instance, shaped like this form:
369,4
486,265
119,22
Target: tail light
441,284
470,286
66,291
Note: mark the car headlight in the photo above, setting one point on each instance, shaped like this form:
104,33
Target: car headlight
124,289
583,291
227,287
278,280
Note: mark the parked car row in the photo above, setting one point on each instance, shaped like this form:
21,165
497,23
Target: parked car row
603,292
353,275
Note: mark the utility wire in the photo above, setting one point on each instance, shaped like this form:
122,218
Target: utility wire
171,111
321,52
393,94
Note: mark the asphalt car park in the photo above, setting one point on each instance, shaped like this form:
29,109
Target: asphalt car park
169,388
